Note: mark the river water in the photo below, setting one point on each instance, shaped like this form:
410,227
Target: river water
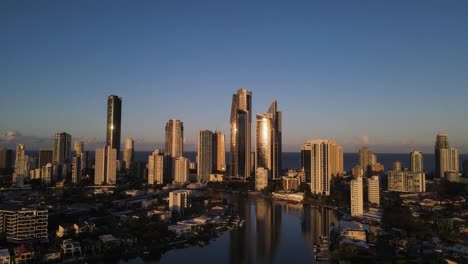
274,232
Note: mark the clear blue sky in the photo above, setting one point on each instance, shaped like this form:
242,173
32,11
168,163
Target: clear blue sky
385,74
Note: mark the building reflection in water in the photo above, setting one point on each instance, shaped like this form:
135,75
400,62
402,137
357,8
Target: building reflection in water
257,240
316,222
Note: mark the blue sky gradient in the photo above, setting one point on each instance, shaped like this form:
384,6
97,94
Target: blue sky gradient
385,74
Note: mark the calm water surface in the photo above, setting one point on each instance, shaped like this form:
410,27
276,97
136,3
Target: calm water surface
275,232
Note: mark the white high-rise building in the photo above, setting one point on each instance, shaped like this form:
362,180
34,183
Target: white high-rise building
261,178
21,166
357,197
416,163
128,153
373,190
180,170
454,160
406,181
204,155
156,168
321,160
106,166
47,173
179,200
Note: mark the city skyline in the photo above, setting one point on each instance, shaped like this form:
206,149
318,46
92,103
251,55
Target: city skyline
339,66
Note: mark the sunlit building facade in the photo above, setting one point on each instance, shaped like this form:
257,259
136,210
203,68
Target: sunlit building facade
320,161
241,121
269,141
416,161
156,168
106,166
357,197
128,153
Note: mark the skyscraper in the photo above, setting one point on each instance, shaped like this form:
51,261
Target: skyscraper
180,170
397,165
6,160
128,153
320,161
62,148
76,169
441,152
114,118
156,162
416,161
45,156
241,121
268,141
21,166
454,160
174,138
204,155
373,188
366,159
106,166
357,197
219,152
78,147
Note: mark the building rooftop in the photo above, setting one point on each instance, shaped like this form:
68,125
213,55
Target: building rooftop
4,252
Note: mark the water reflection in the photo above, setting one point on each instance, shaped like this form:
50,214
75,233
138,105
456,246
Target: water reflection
316,222
258,241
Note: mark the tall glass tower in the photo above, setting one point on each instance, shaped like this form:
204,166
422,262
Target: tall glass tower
241,121
268,141
114,117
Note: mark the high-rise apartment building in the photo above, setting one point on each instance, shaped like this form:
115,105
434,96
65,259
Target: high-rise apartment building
6,161
454,160
219,152
21,166
204,155
406,181
174,138
366,159
441,153
78,147
397,165
76,169
179,200
241,122
180,170
62,148
156,162
114,119
106,166
268,141
45,156
416,161
357,197
24,225
128,153
373,190
47,173
320,161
